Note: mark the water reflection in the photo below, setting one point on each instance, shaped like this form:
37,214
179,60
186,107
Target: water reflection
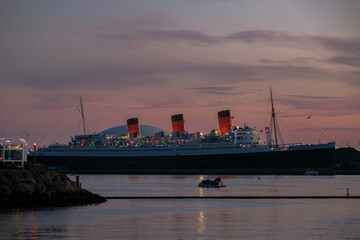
37,224
198,218
201,190
133,227
201,220
24,230
168,185
33,233
17,231
32,223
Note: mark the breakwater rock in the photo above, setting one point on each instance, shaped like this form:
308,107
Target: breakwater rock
36,187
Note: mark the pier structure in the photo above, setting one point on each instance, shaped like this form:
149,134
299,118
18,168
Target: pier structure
14,153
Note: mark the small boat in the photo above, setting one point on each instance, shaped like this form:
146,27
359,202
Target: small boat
311,172
207,183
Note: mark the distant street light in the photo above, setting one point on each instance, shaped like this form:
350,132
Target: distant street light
34,153
9,148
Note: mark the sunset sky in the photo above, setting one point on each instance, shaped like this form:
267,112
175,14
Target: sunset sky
151,59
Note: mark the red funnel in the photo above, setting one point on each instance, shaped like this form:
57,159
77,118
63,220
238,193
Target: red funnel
225,121
177,122
133,127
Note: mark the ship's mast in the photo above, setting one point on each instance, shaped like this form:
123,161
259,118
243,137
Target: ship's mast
273,120
82,115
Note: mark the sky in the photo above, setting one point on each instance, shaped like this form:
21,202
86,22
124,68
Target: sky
154,58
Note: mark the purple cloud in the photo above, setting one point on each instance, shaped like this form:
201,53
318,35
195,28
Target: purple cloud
346,60
181,35
351,46
125,76
135,30
352,78
283,38
292,61
140,36
323,105
314,97
215,90
266,36
98,77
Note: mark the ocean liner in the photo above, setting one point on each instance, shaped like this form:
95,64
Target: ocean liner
229,150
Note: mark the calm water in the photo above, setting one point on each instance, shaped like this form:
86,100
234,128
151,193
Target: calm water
201,218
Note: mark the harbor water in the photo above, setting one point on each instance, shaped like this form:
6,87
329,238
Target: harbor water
198,218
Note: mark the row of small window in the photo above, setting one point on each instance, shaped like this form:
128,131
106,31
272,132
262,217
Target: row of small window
245,138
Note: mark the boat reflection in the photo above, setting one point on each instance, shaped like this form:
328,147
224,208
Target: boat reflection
201,220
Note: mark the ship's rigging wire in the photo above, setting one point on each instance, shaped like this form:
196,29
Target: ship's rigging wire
263,118
307,119
305,126
185,104
53,133
82,121
272,130
294,118
56,131
188,104
273,125
78,126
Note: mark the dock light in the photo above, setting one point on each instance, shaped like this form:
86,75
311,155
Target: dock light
34,153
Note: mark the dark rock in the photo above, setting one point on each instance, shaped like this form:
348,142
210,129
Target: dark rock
47,179
23,189
71,186
39,168
58,187
4,181
28,180
12,176
48,195
36,187
39,188
51,176
27,174
5,192
39,179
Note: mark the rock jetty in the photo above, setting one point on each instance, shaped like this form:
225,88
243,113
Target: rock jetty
36,187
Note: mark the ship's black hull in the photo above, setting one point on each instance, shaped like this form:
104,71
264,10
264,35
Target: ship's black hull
280,162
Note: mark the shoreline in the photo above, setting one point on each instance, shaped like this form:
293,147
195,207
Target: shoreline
299,172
